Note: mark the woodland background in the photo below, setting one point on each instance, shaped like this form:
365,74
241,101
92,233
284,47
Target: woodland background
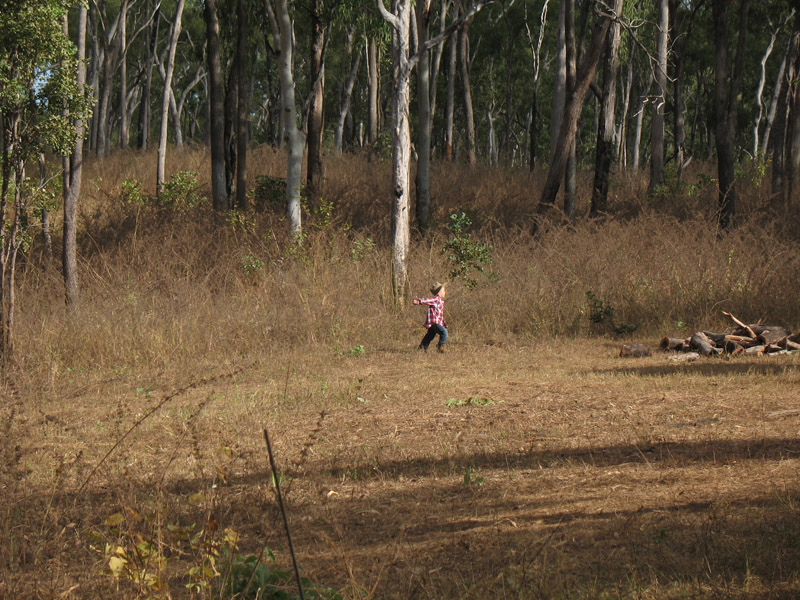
193,247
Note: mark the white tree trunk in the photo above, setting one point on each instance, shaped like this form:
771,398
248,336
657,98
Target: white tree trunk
657,125
162,141
401,144
281,24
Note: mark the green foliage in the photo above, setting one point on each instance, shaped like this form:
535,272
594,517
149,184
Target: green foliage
602,313
362,247
269,194
251,264
216,568
466,256
471,479
180,193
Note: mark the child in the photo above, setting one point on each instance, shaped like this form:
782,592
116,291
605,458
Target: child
435,321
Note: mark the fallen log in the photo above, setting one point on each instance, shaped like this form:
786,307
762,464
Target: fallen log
701,342
755,350
733,348
634,350
669,343
750,332
770,334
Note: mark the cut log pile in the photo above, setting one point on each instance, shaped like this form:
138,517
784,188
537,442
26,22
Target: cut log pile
755,340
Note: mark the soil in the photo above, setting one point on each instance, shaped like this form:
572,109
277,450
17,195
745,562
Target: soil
491,471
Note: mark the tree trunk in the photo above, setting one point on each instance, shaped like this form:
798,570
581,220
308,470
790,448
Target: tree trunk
605,134
162,140
659,102
281,24
316,123
570,175
400,21
145,110
536,53
569,126
231,115
243,105
622,133
124,135
449,110
72,183
373,73
560,85
423,146
637,132
469,115
347,94
726,90
769,119
216,101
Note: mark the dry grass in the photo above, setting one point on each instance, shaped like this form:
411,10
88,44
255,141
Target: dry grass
529,462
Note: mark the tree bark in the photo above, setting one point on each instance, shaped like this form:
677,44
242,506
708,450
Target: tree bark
560,85
569,126
726,91
469,115
657,124
373,73
281,24
243,105
162,140
124,134
400,20
72,176
347,93
216,101
449,110
605,135
316,123
145,110
570,174
423,146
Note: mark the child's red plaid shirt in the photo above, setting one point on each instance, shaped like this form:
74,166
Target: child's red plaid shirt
435,311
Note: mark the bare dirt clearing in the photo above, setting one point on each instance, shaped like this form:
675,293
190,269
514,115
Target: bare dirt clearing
507,472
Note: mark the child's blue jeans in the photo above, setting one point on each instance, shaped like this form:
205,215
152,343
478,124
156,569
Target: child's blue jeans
434,330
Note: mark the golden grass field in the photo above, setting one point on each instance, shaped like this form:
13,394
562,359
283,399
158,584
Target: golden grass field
530,461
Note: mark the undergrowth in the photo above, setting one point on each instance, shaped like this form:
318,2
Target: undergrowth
171,290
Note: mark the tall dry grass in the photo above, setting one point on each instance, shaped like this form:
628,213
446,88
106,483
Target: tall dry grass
169,295
177,290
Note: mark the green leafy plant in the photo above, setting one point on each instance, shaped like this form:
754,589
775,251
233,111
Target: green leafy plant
269,193
602,313
466,255
251,264
362,247
181,191
471,479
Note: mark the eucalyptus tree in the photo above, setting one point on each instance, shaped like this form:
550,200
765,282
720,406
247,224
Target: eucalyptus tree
585,74
354,58
727,84
73,165
41,102
281,26
175,32
403,62
660,100
604,154
216,101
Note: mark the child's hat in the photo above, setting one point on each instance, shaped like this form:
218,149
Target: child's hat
437,287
